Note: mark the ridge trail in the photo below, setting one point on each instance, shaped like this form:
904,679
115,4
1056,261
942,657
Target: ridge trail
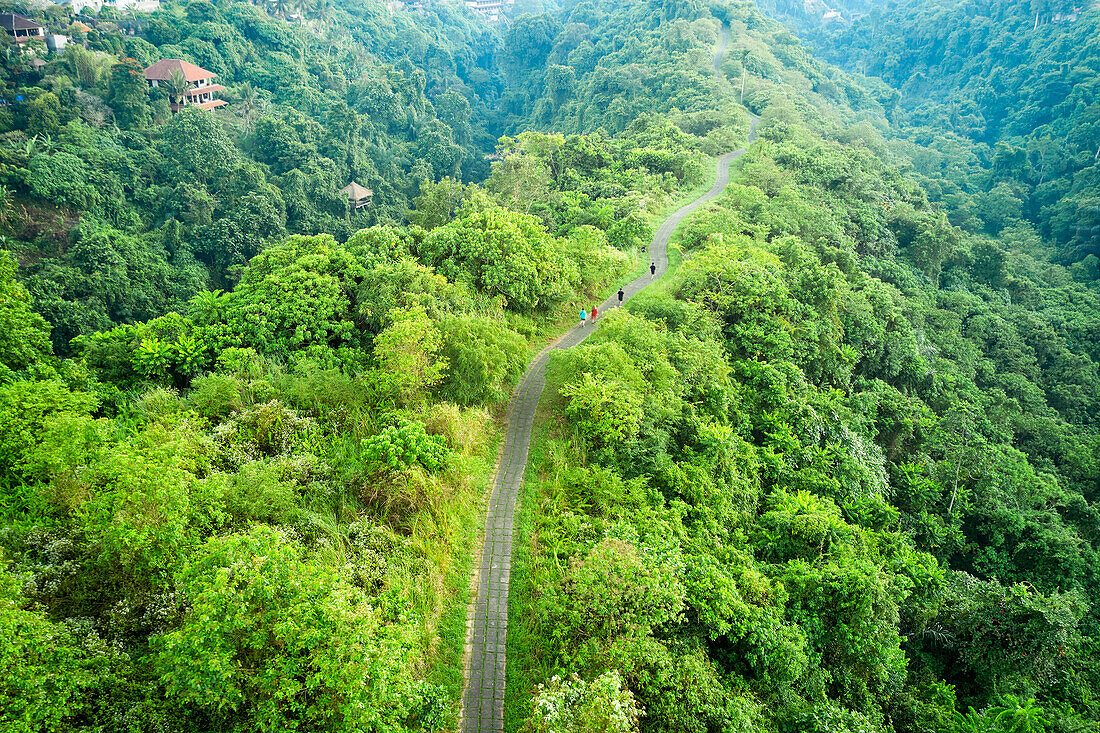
487,621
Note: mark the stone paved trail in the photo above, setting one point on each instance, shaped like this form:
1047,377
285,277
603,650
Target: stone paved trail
487,623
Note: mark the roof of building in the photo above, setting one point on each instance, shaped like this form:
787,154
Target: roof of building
355,192
211,104
16,22
165,68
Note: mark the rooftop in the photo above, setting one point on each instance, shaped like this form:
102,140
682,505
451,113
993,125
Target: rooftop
165,68
355,191
16,22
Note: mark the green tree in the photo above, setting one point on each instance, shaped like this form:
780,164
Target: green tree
128,94
273,640
196,147
483,359
42,675
437,203
502,253
294,296
43,114
408,351
617,589
24,335
606,411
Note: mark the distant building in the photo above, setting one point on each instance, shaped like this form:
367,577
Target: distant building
358,196
491,9
83,6
123,6
144,6
24,29
202,87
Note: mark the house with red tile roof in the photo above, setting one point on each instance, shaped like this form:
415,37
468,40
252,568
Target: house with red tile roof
199,88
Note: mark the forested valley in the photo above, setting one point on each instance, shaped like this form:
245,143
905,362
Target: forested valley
836,471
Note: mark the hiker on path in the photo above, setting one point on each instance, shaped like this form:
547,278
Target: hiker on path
595,313
652,270
621,294
584,316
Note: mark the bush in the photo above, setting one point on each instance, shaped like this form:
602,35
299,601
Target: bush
483,359
617,590
256,493
398,448
272,639
603,705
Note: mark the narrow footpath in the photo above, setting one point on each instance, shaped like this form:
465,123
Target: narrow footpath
487,623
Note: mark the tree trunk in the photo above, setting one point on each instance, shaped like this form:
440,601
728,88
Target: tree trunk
958,466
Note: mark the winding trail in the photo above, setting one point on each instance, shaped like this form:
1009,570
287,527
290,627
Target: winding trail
487,621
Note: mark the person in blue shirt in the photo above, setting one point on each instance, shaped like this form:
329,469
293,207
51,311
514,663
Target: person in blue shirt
584,317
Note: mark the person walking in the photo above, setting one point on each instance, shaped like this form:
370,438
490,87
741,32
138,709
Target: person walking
652,270
621,294
584,317
595,313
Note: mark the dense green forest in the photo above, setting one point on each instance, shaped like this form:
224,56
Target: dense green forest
121,211
840,473
1002,100
837,472
244,436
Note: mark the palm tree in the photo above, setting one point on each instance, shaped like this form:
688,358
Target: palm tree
1019,716
282,7
176,86
302,8
39,144
322,11
249,105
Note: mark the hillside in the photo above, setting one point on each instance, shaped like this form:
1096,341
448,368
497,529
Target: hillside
1004,98
835,471
97,170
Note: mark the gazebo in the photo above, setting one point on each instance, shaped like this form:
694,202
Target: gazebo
358,196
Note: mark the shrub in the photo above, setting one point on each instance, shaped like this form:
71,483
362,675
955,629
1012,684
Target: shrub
604,705
483,359
398,448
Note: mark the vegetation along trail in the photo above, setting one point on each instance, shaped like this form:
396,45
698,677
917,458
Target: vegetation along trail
487,625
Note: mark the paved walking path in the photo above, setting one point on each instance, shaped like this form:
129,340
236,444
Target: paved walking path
487,624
